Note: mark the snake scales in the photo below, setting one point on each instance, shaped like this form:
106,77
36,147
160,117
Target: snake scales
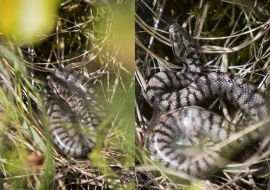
188,126
73,110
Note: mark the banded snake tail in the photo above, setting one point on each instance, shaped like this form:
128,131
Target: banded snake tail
73,111
188,126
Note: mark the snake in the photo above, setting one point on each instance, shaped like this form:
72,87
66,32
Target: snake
184,136
74,111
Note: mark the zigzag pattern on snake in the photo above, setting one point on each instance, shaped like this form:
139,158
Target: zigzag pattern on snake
73,111
186,126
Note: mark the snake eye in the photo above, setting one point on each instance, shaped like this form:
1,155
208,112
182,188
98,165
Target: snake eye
65,117
69,80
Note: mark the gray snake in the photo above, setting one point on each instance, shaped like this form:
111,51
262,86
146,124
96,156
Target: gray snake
73,110
174,95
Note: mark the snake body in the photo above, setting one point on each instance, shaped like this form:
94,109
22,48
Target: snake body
186,126
73,111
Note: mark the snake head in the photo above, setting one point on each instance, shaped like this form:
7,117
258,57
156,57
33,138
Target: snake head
182,45
179,36
78,84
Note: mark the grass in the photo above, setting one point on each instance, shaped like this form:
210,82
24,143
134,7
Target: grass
231,37
84,38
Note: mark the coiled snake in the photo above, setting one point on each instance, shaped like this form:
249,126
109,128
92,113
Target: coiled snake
192,126
73,111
